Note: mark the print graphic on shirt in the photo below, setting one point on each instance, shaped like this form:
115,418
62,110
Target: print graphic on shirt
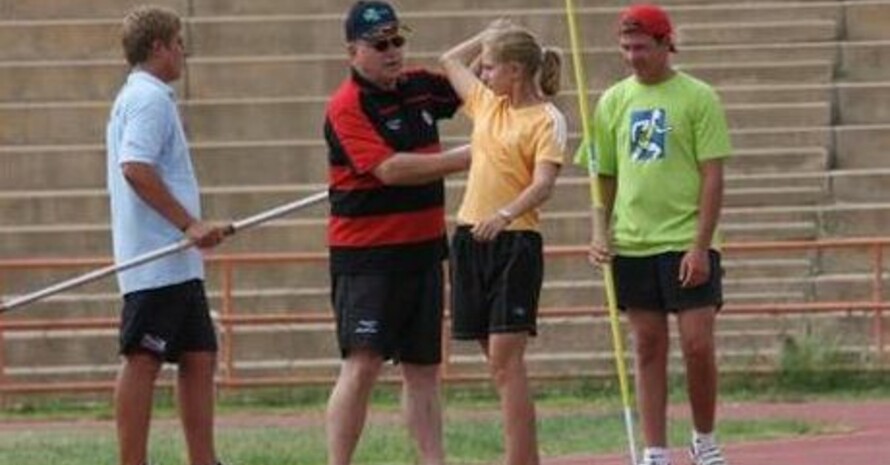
647,135
367,327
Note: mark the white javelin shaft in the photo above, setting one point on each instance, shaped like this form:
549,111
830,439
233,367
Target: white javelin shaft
158,253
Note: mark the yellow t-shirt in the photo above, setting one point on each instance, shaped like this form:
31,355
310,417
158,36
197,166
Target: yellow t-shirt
506,144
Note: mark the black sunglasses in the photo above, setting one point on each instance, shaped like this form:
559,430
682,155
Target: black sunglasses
382,45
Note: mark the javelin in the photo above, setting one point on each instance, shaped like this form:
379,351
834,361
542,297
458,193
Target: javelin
599,230
161,252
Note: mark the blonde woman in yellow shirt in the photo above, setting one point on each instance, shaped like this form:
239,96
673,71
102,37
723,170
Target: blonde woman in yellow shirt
497,265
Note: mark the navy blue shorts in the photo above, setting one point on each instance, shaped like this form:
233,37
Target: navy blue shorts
652,283
397,315
167,321
495,285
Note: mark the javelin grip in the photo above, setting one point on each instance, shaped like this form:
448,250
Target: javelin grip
147,257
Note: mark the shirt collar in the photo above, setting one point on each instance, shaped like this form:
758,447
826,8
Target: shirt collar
369,86
144,76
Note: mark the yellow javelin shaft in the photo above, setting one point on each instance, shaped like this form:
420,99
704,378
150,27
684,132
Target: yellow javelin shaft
599,229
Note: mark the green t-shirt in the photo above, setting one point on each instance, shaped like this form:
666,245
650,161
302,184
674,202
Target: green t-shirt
652,138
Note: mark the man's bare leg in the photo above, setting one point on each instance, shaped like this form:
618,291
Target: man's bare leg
195,392
348,404
132,404
423,411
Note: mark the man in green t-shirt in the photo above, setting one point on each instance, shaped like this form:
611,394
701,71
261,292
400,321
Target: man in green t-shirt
660,138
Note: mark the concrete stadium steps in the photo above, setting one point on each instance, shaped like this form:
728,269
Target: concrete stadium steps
864,103
70,9
847,286
300,298
61,80
298,161
267,7
770,223
860,185
781,137
295,75
295,288
30,207
787,70
865,61
850,262
772,160
216,164
860,219
306,232
45,9
278,119
866,20
311,34
863,146
743,342
788,31
815,180
318,75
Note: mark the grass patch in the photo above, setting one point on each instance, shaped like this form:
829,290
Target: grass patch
473,432
795,383
468,441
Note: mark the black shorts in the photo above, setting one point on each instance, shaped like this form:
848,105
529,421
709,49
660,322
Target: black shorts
652,283
167,321
398,315
495,285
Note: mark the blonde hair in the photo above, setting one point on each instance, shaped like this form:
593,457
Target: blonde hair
520,46
142,26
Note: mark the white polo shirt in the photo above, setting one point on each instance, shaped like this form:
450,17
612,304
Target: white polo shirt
144,126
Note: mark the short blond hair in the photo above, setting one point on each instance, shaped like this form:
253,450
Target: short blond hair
144,25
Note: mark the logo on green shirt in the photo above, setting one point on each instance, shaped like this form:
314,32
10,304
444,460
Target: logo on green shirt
647,135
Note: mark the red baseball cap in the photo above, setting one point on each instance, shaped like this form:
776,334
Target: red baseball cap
648,19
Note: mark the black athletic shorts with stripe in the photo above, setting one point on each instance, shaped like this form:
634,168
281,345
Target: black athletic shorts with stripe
398,315
495,285
653,283
167,321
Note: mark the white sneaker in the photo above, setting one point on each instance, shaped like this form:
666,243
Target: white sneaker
709,454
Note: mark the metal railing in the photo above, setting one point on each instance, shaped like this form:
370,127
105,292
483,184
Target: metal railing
229,319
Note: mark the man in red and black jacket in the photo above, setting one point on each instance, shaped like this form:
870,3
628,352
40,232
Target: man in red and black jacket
387,229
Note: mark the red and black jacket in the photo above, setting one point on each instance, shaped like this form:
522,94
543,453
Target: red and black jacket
375,228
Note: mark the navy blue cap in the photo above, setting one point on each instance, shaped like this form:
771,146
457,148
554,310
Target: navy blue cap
367,18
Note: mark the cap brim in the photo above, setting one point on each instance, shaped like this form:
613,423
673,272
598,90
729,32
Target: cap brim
386,30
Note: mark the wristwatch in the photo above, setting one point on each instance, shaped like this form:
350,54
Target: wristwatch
507,215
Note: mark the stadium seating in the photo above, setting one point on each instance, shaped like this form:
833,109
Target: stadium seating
806,87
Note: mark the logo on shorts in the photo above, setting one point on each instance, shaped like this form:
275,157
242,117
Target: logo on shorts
427,118
367,327
394,124
153,343
518,311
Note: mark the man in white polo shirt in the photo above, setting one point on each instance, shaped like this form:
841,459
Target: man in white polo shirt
154,202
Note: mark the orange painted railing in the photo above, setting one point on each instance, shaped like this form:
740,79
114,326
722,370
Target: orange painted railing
228,318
